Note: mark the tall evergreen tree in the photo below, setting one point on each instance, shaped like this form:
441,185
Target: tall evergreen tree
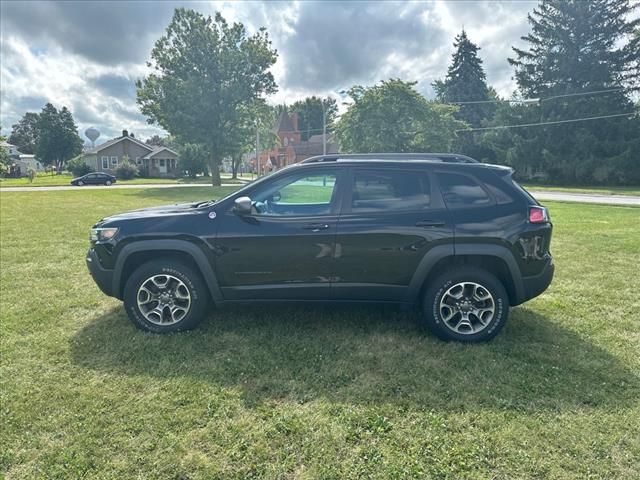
466,82
576,47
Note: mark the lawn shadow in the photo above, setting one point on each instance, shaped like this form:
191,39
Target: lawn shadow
366,355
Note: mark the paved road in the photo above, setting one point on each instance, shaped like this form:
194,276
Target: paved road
540,195
586,198
102,187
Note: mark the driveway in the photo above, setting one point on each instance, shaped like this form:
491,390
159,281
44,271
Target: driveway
538,194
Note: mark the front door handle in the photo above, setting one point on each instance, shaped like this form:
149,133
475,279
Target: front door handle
426,223
316,227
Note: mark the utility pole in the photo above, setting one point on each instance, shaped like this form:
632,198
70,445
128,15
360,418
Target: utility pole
324,128
257,150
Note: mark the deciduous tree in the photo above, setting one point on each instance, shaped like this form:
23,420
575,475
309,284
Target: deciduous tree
24,134
206,72
394,117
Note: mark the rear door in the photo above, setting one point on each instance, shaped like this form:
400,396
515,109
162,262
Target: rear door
390,219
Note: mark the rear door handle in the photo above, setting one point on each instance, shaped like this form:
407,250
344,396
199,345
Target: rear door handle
316,227
426,223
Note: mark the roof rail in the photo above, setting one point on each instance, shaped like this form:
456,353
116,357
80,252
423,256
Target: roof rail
407,157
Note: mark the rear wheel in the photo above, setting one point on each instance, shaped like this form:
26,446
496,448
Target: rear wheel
165,296
466,304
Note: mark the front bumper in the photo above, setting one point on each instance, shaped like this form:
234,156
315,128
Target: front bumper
102,276
535,285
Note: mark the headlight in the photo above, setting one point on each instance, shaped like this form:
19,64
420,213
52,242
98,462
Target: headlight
102,234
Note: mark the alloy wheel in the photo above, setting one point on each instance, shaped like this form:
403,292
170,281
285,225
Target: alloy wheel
467,308
163,299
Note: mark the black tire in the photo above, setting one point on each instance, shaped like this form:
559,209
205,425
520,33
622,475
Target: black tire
80,183
433,319
107,183
192,281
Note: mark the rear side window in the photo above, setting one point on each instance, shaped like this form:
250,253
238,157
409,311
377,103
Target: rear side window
462,191
388,190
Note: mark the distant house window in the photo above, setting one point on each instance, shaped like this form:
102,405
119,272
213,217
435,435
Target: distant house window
162,162
138,161
286,141
114,160
105,162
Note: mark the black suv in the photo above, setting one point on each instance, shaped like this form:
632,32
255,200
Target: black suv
458,238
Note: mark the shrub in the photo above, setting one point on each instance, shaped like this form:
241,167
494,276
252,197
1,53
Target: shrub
126,170
77,167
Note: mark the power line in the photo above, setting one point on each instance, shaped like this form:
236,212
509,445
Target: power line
501,127
538,100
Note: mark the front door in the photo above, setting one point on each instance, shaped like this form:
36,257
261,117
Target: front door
284,249
391,219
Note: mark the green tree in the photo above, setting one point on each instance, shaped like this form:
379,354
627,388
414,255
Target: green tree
576,47
193,159
206,74
5,159
24,134
394,117
78,167
58,138
310,112
466,82
258,117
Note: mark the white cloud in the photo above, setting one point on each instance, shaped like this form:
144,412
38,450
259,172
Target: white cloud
67,54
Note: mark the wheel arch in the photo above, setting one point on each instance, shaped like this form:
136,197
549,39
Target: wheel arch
135,254
495,259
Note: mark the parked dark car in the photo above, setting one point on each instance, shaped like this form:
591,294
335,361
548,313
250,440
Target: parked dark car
96,178
457,238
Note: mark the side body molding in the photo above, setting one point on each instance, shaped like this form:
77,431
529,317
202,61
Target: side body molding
443,251
182,246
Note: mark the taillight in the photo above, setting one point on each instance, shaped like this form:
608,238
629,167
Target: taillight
538,215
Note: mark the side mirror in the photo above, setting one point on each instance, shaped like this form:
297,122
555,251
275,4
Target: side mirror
242,206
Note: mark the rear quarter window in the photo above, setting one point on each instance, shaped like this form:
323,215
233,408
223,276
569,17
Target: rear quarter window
462,191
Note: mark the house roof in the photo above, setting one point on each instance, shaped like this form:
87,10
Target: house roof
284,123
158,150
113,141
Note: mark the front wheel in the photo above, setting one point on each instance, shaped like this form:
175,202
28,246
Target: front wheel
165,296
466,304
80,183
108,183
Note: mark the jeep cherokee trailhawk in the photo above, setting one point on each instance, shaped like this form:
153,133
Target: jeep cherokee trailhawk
458,238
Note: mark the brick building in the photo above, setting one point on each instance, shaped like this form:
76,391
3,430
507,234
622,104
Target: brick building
292,149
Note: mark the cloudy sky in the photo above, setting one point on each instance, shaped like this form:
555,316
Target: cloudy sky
87,55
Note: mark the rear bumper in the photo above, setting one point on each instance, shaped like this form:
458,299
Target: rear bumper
102,276
535,285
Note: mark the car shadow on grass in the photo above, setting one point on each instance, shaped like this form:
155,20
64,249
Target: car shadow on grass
366,355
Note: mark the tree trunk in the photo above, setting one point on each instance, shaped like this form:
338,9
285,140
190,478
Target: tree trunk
235,163
215,171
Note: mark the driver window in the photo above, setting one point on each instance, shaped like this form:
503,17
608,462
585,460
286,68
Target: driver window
307,195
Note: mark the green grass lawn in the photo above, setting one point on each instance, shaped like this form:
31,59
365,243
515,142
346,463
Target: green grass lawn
65,179
311,392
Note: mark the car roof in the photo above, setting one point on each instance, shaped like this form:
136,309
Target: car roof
458,160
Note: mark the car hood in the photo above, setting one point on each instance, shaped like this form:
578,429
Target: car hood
160,211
